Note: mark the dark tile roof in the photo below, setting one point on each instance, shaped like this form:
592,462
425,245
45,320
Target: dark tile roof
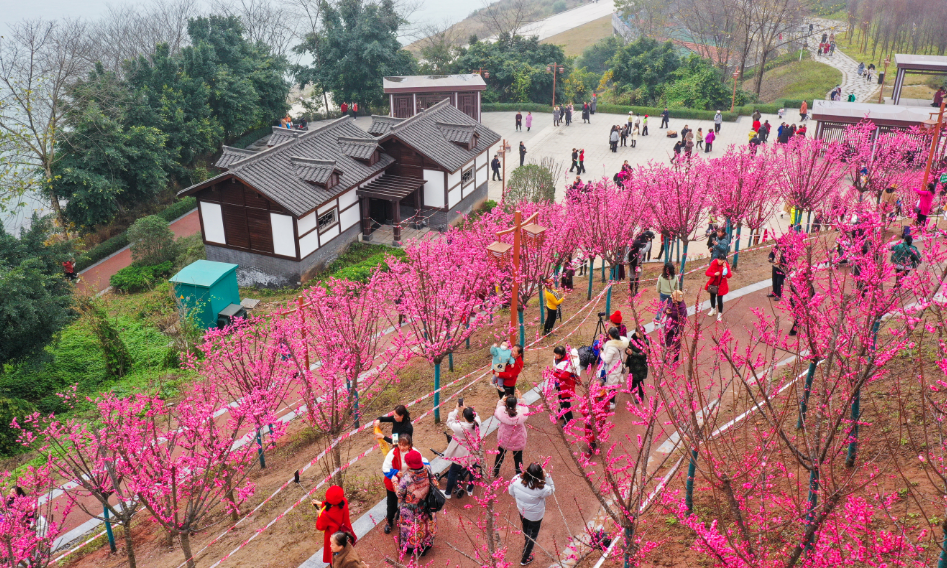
381,125
358,148
275,172
231,156
281,135
425,132
459,133
313,171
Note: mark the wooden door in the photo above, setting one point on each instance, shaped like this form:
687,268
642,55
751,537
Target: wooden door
402,106
235,226
260,229
467,103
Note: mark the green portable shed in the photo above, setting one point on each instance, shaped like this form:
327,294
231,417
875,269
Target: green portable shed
205,288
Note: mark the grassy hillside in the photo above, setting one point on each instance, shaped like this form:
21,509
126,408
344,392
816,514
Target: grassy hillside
804,79
577,39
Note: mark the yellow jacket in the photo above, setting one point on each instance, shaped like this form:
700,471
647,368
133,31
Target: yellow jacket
553,301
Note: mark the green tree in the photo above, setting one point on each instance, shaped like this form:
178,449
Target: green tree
246,84
118,361
645,65
357,47
698,84
506,58
35,299
596,57
106,164
533,183
151,241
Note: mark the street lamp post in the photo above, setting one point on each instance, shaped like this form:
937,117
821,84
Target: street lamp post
504,148
733,101
881,91
555,70
500,250
934,128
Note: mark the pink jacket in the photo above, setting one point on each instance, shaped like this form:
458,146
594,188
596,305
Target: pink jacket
529,120
925,201
511,435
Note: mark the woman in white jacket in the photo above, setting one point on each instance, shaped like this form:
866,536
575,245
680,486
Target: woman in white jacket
530,491
613,363
463,449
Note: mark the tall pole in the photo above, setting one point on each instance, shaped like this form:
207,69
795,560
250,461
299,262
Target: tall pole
881,91
935,141
733,101
554,85
514,308
502,152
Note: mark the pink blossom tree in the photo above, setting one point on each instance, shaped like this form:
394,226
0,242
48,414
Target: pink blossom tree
880,160
439,286
678,199
181,461
808,171
30,518
340,327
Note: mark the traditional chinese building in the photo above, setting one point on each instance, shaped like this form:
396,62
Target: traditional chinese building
284,212
411,94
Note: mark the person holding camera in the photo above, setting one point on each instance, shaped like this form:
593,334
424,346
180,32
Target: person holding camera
554,298
464,444
566,372
530,490
333,517
508,378
613,364
718,273
511,434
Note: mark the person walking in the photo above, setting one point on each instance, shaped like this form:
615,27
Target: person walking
354,110
718,273
554,298
465,441
69,270
511,374
582,161
718,120
495,166
568,115
613,139
575,161
556,114
721,244
709,141
700,139
391,468
522,152
344,108
344,555
418,525
644,126
594,104
519,121
667,283
530,490
675,320
633,135
623,133
678,146
333,517
566,373
612,368
637,362
757,115
689,145
529,120
511,433
585,113
803,110
776,258
665,118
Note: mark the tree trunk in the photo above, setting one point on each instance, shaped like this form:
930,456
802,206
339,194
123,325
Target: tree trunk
337,461
54,204
186,549
129,548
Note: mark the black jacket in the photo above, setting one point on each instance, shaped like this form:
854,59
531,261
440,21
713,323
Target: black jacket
637,359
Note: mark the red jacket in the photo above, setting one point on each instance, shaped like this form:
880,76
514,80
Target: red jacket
512,373
712,279
334,519
345,108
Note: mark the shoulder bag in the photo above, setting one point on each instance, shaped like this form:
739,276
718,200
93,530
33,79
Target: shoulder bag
435,499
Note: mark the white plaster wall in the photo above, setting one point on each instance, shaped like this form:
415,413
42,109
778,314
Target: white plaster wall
213,223
329,234
283,239
454,178
308,244
307,223
347,199
483,158
328,206
434,188
453,198
349,217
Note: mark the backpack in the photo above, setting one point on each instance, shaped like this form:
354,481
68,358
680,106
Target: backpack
672,133
587,357
905,257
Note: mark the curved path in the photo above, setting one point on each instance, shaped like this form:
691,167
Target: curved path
851,81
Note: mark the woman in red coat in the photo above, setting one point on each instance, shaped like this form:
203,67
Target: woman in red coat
717,274
511,374
333,517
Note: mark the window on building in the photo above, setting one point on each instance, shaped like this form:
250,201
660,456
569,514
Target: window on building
327,219
467,176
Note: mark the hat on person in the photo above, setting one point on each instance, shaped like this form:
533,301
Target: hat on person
413,459
335,495
616,317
